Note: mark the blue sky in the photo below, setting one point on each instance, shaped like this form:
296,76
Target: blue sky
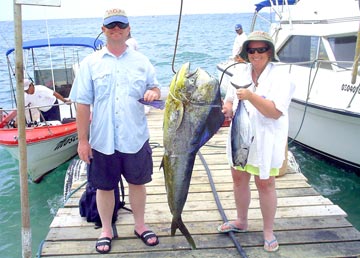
90,8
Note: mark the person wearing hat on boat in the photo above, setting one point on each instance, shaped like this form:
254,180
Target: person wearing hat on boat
131,42
44,98
116,142
238,42
267,100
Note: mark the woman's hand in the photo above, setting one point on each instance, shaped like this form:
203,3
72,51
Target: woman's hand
227,110
243,94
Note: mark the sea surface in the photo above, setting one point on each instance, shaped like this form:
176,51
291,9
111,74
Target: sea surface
204,40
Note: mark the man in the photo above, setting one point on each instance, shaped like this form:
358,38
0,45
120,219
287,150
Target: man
238,42
112,81
44,98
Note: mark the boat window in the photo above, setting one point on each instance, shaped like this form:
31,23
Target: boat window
302,49
343,48
63,78
322,55
297,49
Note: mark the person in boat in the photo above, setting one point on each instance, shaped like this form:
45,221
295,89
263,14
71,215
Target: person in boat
267,100
44,98
238,42
131,42
116,142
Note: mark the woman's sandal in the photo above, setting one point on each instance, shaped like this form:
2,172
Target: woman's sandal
230,227
268,244
146,235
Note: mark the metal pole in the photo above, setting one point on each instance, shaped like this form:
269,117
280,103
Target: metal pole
356,59
24,194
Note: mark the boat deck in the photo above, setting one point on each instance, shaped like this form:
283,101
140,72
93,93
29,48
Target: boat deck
306,225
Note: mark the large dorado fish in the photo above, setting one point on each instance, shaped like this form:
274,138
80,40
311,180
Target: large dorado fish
192,116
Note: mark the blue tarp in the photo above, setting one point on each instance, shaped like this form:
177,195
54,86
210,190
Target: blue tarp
67,41
267,3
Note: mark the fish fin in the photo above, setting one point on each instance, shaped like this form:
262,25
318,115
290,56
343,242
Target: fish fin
178,223
161,164
174,114
180,115
213,123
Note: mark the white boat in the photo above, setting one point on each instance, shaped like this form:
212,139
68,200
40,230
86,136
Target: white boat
316,42
49,143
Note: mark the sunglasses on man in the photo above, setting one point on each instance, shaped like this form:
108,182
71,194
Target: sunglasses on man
260,50
119,24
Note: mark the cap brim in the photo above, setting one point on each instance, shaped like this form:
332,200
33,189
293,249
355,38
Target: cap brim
116,18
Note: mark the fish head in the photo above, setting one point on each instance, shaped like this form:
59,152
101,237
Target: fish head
202,88
197,87
178,89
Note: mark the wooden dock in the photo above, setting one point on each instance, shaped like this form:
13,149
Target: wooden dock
306,225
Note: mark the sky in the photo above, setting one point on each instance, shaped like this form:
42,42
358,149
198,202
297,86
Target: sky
93,9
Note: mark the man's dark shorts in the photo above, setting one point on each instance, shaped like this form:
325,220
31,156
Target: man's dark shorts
104,171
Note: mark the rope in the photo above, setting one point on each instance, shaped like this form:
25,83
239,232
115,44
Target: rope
306,102
177,38
220,208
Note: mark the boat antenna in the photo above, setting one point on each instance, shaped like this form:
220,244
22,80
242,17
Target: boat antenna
356,58
100,46
177,37
51,63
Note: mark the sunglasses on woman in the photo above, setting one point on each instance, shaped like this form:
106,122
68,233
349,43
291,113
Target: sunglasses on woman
260,50
114,24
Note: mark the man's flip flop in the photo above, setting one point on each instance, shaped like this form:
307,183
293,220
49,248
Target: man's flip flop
146,235
104,241
268,244
230,227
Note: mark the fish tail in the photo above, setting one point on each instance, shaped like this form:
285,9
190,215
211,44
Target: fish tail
161,164
178,223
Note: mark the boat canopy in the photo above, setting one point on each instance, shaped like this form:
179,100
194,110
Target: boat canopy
68,41
269,3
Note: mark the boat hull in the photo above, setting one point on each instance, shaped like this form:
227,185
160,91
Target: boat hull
328,132
47,147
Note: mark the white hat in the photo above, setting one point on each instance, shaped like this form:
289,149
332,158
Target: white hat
259,36
115,15
27,83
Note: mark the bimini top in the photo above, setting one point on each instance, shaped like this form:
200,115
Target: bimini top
67,41
267,3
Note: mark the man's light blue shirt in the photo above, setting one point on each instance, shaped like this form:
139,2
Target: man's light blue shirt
112,86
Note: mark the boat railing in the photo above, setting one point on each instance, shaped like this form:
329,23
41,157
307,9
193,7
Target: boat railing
343,65
318,63
34,115
279,10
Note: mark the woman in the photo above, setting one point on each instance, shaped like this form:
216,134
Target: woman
267,101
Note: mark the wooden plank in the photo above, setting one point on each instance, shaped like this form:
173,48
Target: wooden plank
69,217
224,195
209,204
89,232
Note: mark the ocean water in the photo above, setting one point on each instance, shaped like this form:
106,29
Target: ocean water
204,40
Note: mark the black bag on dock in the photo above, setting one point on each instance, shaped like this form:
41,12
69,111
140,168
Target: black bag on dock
88,207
